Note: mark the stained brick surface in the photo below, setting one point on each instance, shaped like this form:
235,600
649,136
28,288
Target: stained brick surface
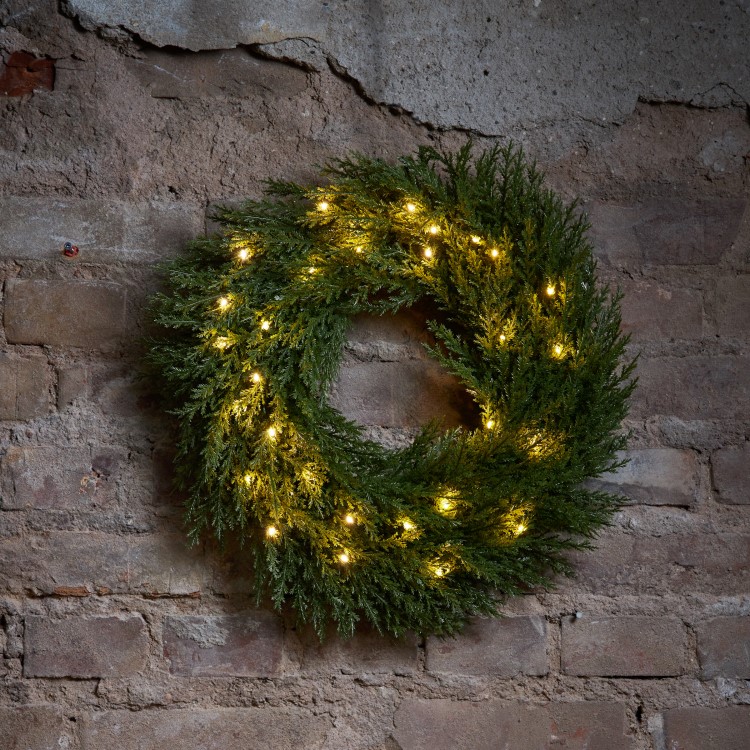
24,390
445,724
90,314
85,646
731,473
654,476
698,728
208,729
245,645
624,646
503,647
724,647
34,727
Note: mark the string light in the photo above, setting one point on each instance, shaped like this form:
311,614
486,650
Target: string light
265,325
344,558
494,252
271,432
248,478
411,208
434,229
408,525
221,342
272,532
446,503
359,249
223,302
349,519
243,255
558,350
489,424
428,252
323,206
256,377
476,239
520,529
550,290
312,270
502,337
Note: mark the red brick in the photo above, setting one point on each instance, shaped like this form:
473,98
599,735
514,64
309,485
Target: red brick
366,651
624,646
654,476
24,74
653,311
444,724
244,645
207,729
104,231
85,646
731,474
500,647
146,564
34,727
733,307
88,314
724,648
693,387
712,563
697,728
24,387
57,477
666,230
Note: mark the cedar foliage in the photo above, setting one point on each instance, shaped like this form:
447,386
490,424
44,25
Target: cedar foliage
254,322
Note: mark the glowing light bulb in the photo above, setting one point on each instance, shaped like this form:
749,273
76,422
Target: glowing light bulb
428,252
550,290
344,558
494,252
323,206
359,249
489,424
272,532
256,377
502,337
271,432
440,571
411,208
312,270
223,303
558,349
265,325
434,229
248,478
243,254
476,239
520,529
221,342
408,525
349,519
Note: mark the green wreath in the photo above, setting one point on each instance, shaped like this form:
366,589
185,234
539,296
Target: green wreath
418,538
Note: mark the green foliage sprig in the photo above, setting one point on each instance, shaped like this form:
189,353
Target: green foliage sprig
422,537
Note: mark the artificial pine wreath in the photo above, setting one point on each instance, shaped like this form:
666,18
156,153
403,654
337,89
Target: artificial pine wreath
418,538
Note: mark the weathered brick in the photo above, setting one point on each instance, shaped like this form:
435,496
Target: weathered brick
502,647
698,728
624,646
34,727
398,394
220,73
666,230
653,476
57,477
104,231
90,314
724,648
652,311
733,306
242,645
24,73
24,390
366,651
151,565
715,563
444,724
731,473
72,384
693,387
85,646
207,729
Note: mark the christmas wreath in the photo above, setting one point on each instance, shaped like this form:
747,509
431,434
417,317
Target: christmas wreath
417,538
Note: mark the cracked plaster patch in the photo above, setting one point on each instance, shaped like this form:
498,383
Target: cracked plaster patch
530,67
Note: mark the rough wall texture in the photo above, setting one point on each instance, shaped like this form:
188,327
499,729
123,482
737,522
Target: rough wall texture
121,124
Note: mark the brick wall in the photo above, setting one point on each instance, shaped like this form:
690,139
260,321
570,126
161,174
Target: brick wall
114,632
